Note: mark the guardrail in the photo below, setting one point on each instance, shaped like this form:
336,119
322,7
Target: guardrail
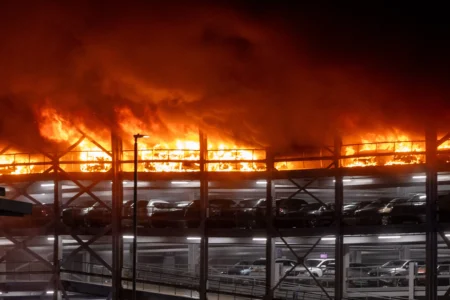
184,280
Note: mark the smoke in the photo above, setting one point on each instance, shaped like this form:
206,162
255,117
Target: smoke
281,76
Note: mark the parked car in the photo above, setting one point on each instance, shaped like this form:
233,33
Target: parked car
240,268
75,213
244,213
315,266
172,217
443,274
145,209
323,216
414,210
258,267
357,275
387,210
349,209
370,214
218,216
298,218
40,215
98,215
387,273
190,215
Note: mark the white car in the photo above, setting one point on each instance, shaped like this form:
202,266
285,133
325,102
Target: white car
258,267
315,266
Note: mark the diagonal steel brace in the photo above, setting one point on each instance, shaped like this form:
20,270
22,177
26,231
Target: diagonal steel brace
88,243
303,188
92,252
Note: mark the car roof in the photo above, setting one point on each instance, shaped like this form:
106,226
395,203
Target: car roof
157,201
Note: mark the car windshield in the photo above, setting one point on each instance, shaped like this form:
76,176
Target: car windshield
376,204
248,203
350,206
163,205
87,203
313,206
418,198
221,203
394,264
142,204
312,262
259,262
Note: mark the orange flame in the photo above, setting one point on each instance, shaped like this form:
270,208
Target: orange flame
387,150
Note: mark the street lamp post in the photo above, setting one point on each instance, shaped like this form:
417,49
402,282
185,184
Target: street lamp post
136,137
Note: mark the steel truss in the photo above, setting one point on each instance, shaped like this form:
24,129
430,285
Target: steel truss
333,169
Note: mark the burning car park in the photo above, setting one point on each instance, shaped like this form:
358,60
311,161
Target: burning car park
224,149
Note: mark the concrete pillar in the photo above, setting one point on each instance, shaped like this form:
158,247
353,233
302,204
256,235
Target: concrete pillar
2,265
192,258
58,247
355,256
168,262
346,265
411,281
86,267
273,268
405,252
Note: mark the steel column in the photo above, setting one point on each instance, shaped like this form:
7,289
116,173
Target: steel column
339,242
431,210
270,262
204,214
57,193
117,201
134,254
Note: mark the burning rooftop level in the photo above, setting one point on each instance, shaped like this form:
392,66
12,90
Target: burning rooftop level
89,150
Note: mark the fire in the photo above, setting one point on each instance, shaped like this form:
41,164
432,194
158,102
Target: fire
89,153
183,155
162,152
13,163
99,161
384,150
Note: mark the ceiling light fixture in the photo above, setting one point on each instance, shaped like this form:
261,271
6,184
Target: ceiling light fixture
381,237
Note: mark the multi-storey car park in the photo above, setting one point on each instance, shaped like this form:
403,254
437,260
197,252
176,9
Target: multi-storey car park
51,259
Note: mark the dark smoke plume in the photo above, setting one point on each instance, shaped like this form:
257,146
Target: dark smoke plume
281,74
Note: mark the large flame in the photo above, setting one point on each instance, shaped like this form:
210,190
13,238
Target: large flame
156,154
385,149
161,152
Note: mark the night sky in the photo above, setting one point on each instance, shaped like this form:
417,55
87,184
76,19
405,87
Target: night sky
265,73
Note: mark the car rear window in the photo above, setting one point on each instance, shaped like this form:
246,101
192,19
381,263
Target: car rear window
259,262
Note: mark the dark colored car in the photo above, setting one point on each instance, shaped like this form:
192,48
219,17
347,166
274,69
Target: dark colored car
240,268
443,274
286,212
387,210
75,213
348,210
392,273
145,209
244,213
172,217
98,215
40,215
357,275
370,214
414,210
190,215
323,216
218,216
299,218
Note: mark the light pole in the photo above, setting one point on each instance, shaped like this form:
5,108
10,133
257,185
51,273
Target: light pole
136,137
